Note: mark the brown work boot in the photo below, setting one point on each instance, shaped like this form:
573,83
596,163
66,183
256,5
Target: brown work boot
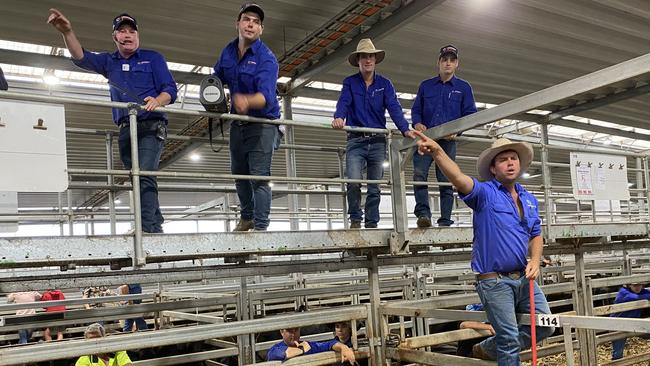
478,352
245,225
424,222
354,224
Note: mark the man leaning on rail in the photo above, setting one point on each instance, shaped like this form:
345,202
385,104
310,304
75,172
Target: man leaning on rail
506,229
364,100
135,75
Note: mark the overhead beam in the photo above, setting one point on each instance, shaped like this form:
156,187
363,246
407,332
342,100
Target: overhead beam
635,69
379,30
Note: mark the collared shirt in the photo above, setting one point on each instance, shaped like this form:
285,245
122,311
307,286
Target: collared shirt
278,351
366,107
627,295
144,74
255,72
501,237
437,102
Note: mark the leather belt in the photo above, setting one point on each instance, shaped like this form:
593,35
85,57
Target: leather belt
352,135
514,275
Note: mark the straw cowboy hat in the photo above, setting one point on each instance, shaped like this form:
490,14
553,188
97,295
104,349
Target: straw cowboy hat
365,46
523,149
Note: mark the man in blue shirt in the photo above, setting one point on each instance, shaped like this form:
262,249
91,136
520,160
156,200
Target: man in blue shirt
250,70
506,230
137,76
363,102
439,100
633,292
292,346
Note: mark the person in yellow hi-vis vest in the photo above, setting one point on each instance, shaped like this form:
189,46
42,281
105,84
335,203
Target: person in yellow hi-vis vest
120,358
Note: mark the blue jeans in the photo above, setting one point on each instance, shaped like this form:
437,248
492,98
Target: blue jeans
618,346
139,323
24,335
502,299
151,141
421,165
364,153
251,153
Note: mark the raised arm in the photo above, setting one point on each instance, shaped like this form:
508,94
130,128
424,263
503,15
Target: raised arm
63,25
463,183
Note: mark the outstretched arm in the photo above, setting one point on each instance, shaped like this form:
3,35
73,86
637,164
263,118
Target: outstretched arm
63,25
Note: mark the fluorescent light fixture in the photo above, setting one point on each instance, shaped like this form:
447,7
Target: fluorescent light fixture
386,164
271,184
195,157
284,79
117,201
525,175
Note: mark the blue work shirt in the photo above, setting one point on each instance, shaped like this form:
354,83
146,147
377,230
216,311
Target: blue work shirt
366,107
627,295
255,72
144,74
278,351
501,237
437,102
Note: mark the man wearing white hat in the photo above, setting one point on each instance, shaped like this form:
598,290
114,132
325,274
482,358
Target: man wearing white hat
506,230
364,99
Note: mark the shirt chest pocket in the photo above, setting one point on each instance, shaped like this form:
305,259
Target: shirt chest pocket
247,74
502,216
455,103
142,76
377,101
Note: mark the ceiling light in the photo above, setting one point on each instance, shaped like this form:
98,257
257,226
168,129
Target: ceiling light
271,184
117,201
525,175
386,164
195,157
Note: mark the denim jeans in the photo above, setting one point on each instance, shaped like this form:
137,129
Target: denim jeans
618,346
251,153
364,153
421,165
24,335
150,146
502,299
140,323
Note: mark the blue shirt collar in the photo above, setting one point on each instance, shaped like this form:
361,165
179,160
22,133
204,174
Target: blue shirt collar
451,81
518,187
360,77
117,55
254,48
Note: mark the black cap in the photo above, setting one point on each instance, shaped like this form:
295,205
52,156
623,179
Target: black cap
124,18
448,49
246,7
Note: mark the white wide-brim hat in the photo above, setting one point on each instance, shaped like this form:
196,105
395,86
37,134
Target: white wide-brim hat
365,46
523,149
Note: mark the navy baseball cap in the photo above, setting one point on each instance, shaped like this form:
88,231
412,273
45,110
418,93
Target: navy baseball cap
448,50
252,7
124,18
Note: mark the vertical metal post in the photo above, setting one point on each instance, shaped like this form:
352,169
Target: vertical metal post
290,158
226,209
584,306
60,198
344,201
639,185
646,186
328,207
70,214
109,179
138,251
568,344
307,211
243,341
375,299
398,242
546,177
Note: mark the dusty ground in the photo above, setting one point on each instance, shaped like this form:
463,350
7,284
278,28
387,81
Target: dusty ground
633,346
